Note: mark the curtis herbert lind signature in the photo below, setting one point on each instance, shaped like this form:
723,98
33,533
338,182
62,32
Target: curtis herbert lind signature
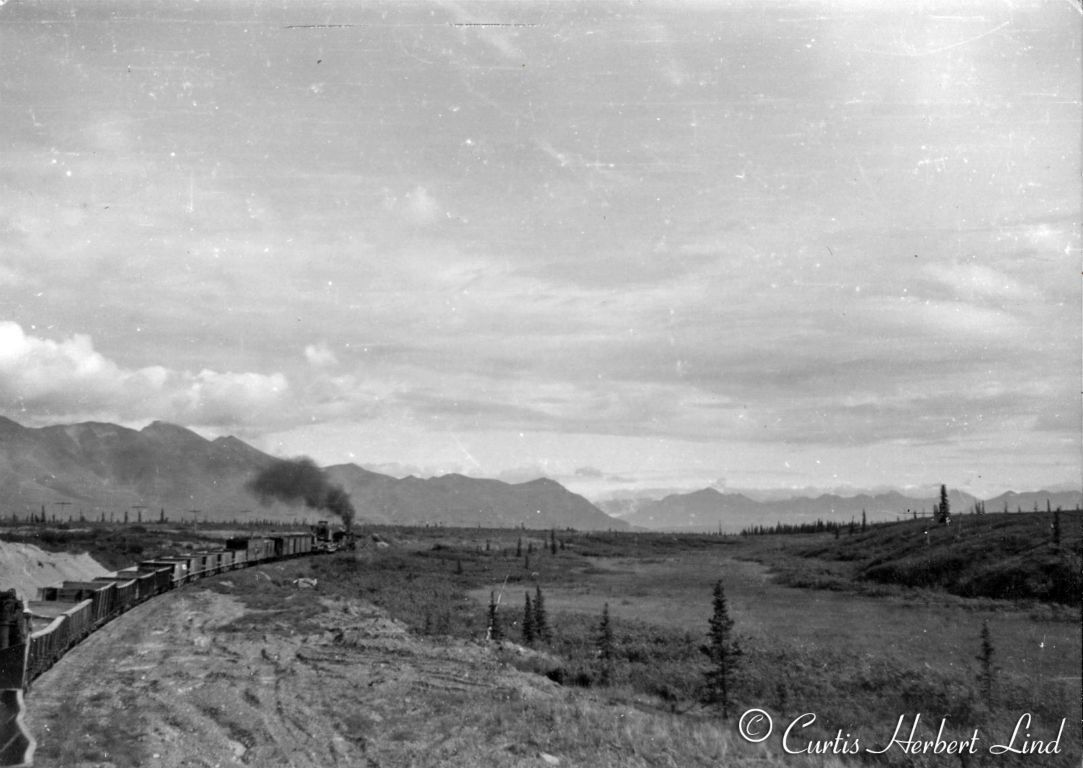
756,726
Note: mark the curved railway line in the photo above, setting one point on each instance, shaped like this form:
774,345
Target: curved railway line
34,634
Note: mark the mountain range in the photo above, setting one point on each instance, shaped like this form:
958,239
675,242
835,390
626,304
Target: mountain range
710,509
94,469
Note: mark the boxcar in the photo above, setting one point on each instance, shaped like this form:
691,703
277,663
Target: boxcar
292,544
266,548
255,548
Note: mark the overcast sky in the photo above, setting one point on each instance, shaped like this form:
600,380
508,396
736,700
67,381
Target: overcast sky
756,245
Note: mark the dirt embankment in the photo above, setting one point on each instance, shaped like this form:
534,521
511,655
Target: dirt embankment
25,568
169,685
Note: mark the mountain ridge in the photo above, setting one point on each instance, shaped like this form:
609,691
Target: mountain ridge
709,509
95,469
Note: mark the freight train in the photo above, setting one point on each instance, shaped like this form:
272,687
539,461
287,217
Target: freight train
34,634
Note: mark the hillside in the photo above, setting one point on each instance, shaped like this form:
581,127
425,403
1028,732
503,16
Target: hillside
996,555
709,509
94,469
25,568
460,500
91,468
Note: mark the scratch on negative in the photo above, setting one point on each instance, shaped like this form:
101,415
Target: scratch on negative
322,26
490,24
916,54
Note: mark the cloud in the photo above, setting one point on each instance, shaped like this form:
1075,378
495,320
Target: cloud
526,473
320,356
226,399
70,380
976,282
418,206
588,472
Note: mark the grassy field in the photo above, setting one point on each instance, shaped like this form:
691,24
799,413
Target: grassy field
857,653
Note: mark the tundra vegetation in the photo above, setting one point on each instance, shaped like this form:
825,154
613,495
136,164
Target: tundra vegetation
972,622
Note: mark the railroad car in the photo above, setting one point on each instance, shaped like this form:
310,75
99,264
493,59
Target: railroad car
101,594
150,580
40,631
55,627
170,571
293,544
126,592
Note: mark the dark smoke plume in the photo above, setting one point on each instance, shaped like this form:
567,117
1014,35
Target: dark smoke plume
300,479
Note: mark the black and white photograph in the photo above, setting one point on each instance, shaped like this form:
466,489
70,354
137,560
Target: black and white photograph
600,383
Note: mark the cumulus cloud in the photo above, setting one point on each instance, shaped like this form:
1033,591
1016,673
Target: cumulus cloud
417,206
45,379
320,356
210,397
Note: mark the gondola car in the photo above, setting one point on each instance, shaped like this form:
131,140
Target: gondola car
101,594
127,590
55,626
43,630
170,571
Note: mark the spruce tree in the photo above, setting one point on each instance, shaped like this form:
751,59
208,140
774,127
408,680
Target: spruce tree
496,632
985,658
864,522
722,650
605,647
528,621
519,547
943,511
1056,527
541,620
552,541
